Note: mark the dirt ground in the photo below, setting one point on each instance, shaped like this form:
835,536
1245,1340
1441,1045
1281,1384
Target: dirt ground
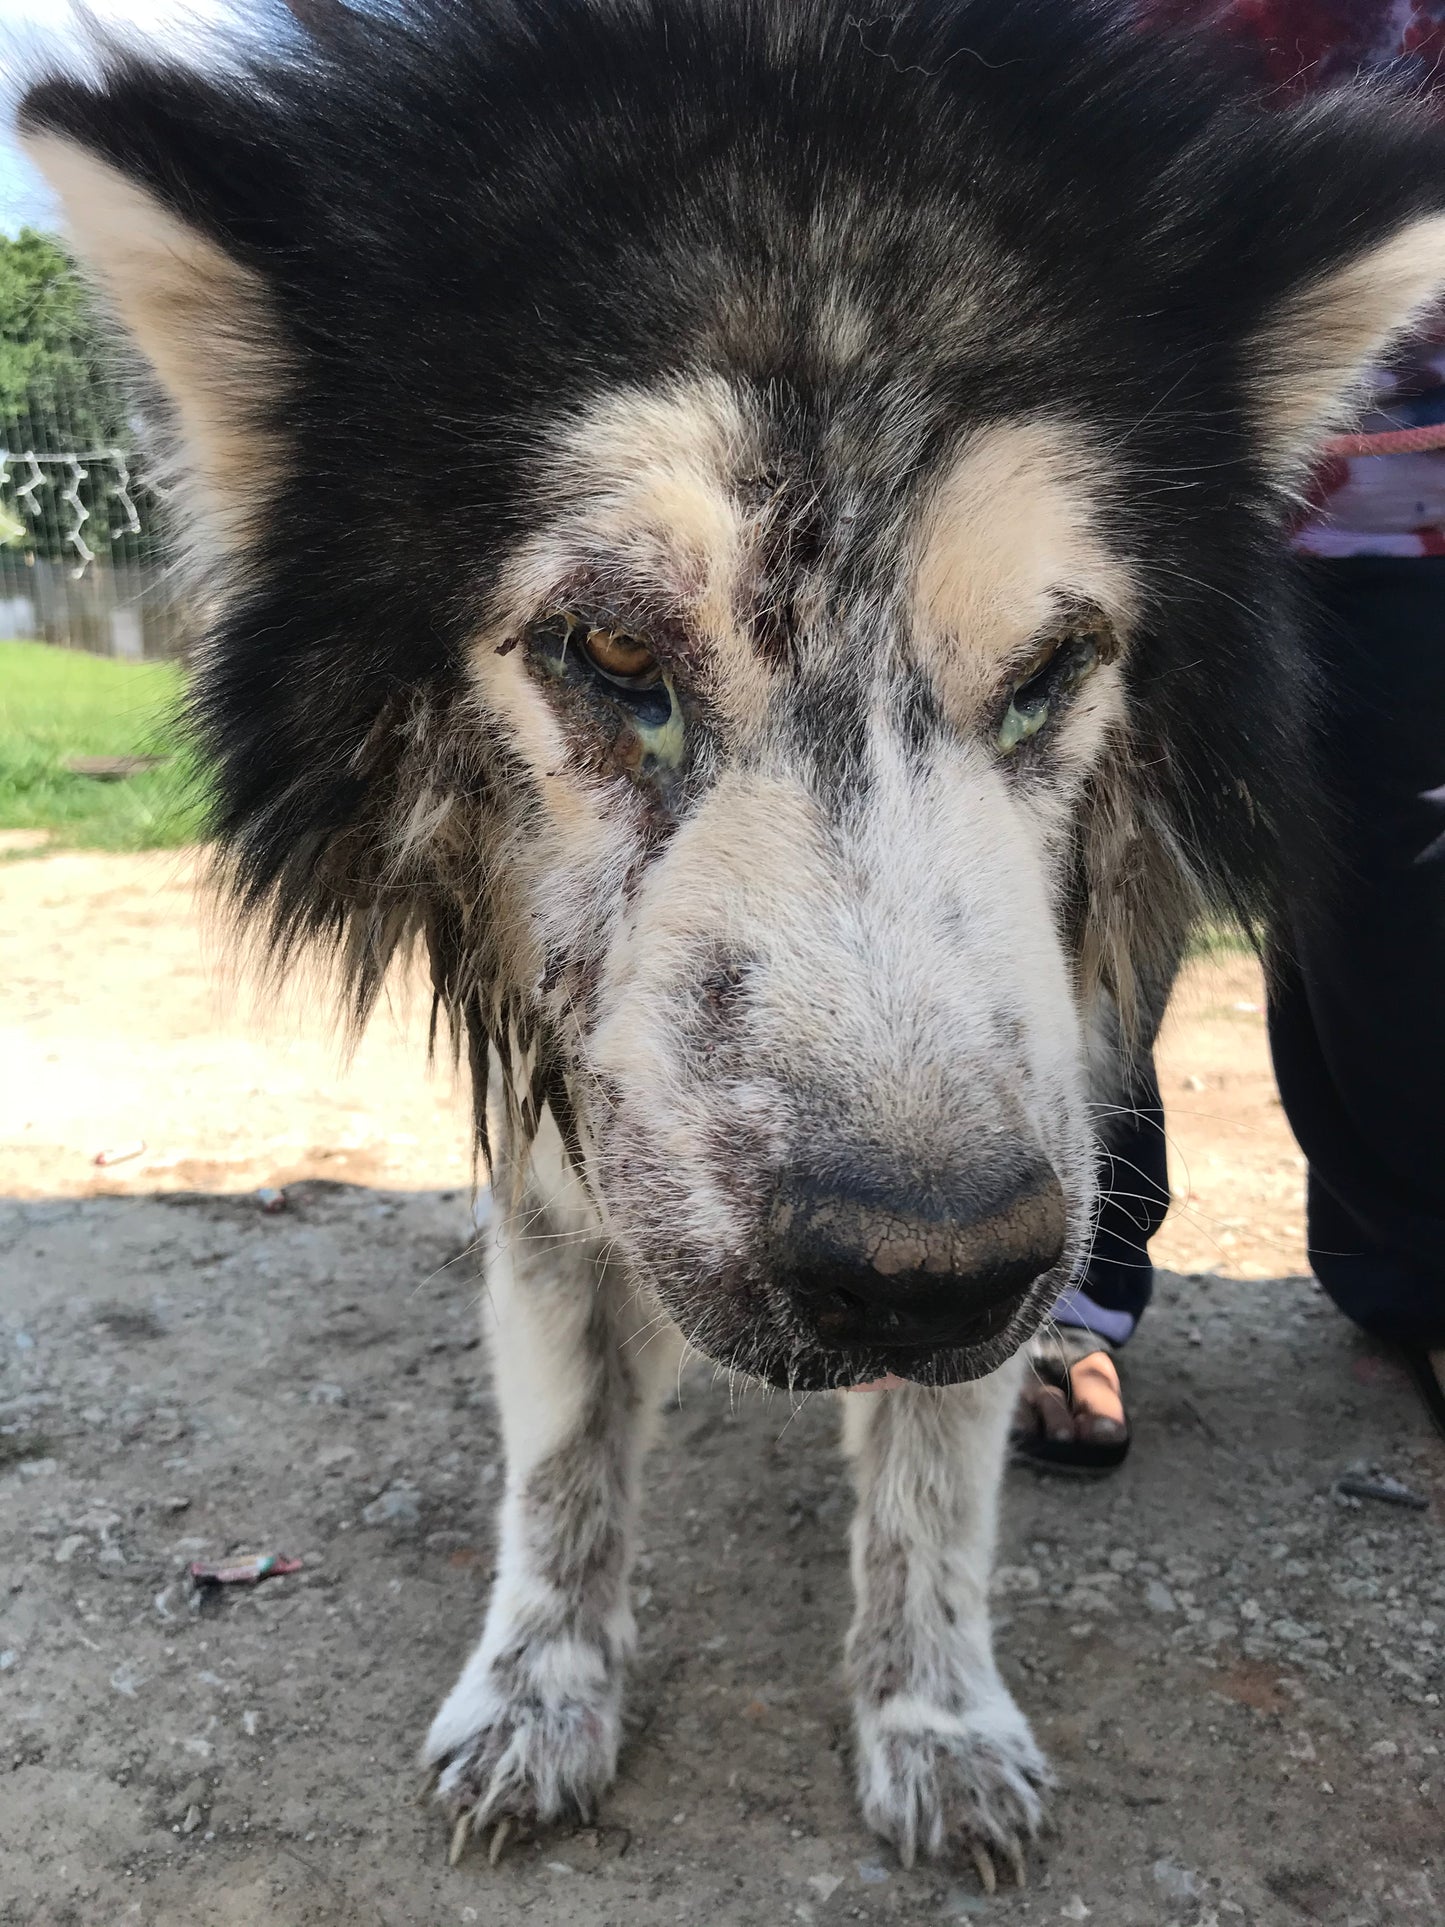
1237,1671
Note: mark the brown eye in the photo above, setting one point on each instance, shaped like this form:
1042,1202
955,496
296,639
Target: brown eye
618,653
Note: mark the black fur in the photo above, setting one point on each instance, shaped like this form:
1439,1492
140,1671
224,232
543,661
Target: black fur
476,217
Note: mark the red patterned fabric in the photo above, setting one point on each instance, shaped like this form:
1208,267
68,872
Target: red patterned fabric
1385,498
1307,44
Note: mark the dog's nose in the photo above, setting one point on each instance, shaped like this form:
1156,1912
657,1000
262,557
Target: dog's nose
866,1268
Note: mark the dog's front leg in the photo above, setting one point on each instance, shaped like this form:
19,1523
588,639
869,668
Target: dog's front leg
945,1758
530,1731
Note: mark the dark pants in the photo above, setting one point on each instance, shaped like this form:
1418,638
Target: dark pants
1357,1013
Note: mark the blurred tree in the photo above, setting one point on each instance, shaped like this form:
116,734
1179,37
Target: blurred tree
58,396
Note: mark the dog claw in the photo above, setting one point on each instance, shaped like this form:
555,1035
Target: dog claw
986,1873
499,1842
1016,1862
460,1832
426,1785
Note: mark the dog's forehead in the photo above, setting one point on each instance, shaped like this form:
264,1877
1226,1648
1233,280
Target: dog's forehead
1010,535
641,485
698,495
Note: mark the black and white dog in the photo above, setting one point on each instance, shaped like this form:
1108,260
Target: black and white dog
752,531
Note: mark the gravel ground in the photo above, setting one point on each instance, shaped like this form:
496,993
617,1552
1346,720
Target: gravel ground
1237,1670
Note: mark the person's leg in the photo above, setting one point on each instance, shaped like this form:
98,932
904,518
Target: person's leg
1357,1011
1118,1281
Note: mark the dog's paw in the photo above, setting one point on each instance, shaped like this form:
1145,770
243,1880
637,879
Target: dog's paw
935,1782
499,1761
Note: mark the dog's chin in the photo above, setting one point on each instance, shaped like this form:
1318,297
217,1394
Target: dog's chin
978,1348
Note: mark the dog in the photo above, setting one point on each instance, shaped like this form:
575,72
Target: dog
752,532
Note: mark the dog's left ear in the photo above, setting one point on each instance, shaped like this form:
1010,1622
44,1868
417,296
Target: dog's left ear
1309,366
1344,235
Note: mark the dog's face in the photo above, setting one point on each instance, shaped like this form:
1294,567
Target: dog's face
742,545
804,744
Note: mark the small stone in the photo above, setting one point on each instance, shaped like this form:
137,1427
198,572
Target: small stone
1289,1630
825,1885
1074,1908
178,1502
1083,1599
192,1819
1382,1750
195,1793
68,1548
399,1505
1016,1579
8,1659
1158,1598
1385,1490
326,1394
1123,1559
872,1873
1178,1883
39,1468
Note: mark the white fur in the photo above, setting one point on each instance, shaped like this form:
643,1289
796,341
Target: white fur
945,1758
531,1728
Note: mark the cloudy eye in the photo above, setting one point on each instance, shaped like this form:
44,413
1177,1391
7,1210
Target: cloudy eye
1028,709
1050,682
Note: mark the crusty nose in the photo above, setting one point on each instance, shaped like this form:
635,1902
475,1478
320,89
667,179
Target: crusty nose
865,1267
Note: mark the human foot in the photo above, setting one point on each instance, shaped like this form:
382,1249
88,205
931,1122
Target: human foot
1071,1409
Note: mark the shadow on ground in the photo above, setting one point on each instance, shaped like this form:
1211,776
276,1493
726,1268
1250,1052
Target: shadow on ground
1237,1674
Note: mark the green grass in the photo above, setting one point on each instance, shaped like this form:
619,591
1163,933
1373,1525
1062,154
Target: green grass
58,703
1219,940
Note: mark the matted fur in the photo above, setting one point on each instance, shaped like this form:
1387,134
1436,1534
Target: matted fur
860,367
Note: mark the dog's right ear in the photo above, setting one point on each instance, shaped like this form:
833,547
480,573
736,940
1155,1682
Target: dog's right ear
176,201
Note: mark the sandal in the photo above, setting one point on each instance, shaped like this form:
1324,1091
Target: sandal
1052,1355
1427,1382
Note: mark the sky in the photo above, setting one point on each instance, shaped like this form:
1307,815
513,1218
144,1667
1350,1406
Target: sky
24,198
